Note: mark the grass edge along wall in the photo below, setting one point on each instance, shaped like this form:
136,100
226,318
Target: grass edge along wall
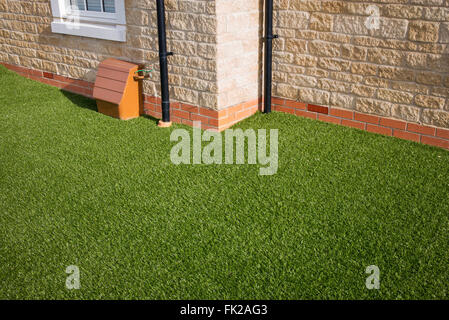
223,119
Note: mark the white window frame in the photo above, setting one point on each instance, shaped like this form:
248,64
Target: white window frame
100,25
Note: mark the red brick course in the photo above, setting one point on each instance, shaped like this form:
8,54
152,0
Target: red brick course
210,119
392,123
341,113
318,109
376,124
366,118
81,87
443,133
438,142
379,129
353,124
413,127
406,135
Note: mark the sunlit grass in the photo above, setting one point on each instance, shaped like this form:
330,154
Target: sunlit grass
80,188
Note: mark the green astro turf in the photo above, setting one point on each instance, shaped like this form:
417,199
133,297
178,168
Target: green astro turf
80,188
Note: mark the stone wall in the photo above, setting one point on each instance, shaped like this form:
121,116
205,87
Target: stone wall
331,53
26,40
239,48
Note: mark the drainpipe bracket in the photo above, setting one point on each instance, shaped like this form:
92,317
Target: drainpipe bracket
167,54
274,36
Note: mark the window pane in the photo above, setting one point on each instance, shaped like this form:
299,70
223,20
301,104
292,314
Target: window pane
77,4
109,6
94,5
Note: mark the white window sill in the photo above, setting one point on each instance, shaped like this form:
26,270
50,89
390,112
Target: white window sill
99,31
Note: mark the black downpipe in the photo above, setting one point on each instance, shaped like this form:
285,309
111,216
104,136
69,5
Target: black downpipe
163,60
268,53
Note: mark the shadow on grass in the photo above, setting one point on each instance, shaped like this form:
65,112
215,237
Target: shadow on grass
91,104
81,101
155,120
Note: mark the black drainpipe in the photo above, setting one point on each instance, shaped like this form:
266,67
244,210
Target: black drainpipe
163,61
268,53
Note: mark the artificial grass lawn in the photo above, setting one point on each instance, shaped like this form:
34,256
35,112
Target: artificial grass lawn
80,188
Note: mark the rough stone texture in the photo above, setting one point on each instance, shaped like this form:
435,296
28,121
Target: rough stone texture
423,31
26,39
429,101
399,68
238,60
436,117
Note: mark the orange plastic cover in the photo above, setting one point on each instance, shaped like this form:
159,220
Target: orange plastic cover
112,78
